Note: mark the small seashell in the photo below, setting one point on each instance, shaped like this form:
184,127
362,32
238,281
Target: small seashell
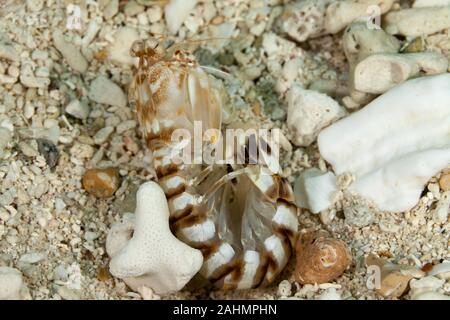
320,259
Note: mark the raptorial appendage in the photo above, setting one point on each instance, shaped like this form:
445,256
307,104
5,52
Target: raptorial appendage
242,217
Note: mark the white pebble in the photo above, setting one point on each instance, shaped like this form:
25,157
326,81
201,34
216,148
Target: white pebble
119,52
32,257
309,112
103,90
11,283
330,294
125,126
176,12
8,52
70,52
103,134
5,137
77,109
111,9
285,289
133,8
35,5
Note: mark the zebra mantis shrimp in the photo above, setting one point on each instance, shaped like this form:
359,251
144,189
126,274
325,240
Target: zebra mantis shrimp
242,217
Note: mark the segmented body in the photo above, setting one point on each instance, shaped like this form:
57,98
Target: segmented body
245,223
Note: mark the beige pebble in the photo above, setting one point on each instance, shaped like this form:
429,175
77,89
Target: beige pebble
70,52
102,183
103,90
444,182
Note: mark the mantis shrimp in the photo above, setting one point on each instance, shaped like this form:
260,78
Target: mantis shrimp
242,217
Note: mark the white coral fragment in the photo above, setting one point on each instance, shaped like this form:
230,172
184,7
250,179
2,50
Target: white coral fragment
415,22
395,144
176,12
341,13
119,52
303,20
309,112
380,72
430,3
360,42
153,257
11,284
427,289
315,190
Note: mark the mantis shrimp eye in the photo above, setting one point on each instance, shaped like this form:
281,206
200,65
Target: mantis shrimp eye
137,48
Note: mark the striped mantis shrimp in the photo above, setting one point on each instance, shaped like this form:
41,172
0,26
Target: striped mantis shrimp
242,217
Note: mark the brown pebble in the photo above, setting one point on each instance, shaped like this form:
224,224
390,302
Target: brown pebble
385,254
444,182
320,259
101,183
427,267
103,274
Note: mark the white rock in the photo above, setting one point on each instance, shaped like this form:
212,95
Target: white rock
154,14
5,137
176,11
78,109
358,215
380,72
416,22
125,126
153,257
132,8
285,289
70,52
442,271
343,12
4,79
426,284
431,295
359,42
309,112
35,5
395,144
92,29
111,9
28,79
314,190
8,52
330,294
11,284
32,257
119,234
440,213
304,19
103,90
119,52
430,3
103,134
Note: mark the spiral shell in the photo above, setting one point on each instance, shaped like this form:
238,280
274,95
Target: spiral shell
320,259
